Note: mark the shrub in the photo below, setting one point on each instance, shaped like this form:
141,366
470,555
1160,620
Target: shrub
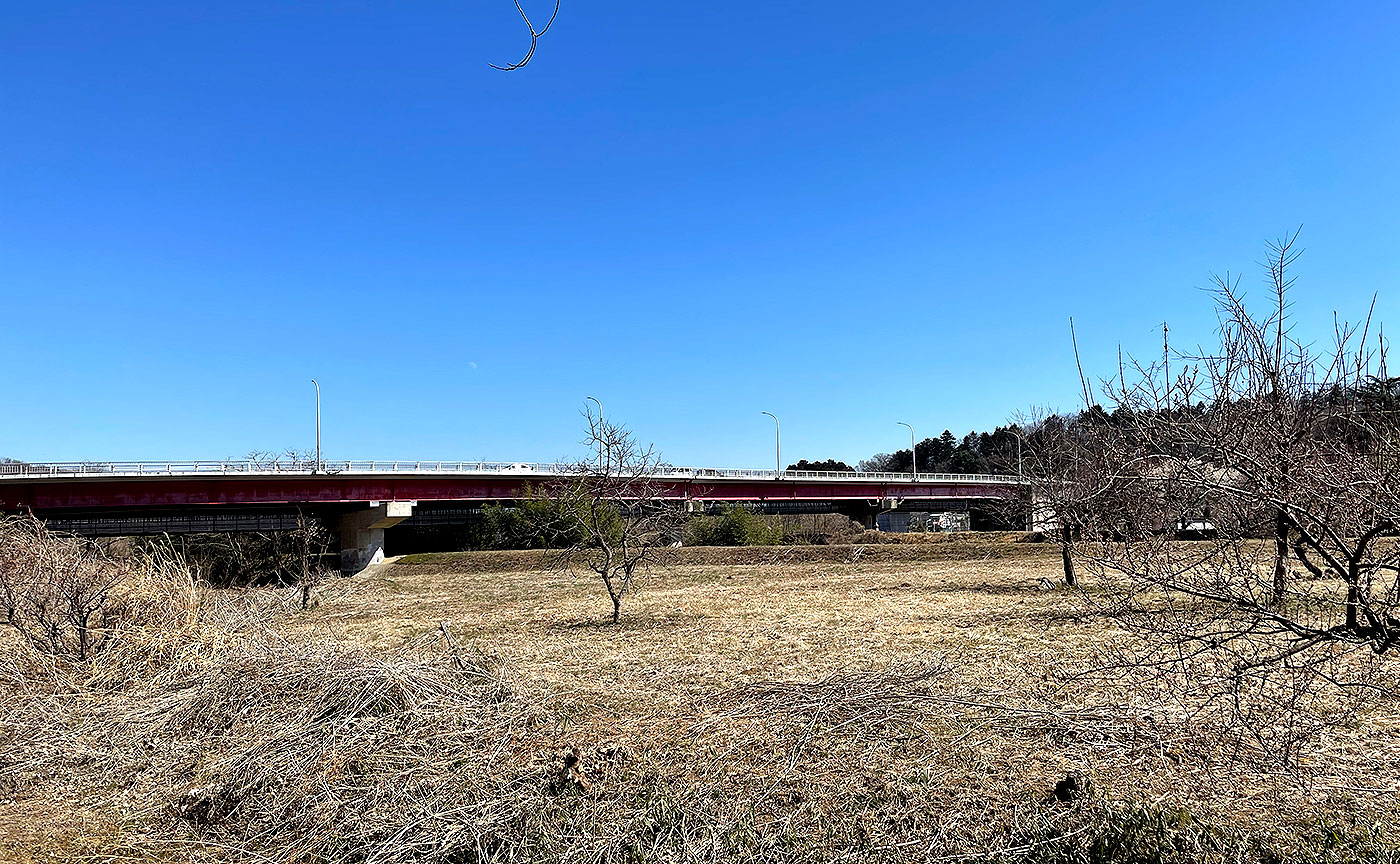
736,525
536,522
67,598
250,558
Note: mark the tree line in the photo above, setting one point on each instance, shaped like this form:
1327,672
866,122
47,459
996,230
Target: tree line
992,452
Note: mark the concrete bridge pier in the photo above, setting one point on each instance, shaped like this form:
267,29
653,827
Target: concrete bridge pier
867,512
362,533
1042,516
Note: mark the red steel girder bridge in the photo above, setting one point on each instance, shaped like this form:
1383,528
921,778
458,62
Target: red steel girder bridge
364,498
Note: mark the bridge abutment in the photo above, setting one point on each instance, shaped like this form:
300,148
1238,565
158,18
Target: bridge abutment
362,533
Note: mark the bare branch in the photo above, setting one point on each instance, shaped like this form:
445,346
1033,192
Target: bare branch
534,37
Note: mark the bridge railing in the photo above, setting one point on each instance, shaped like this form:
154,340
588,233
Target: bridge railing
305,467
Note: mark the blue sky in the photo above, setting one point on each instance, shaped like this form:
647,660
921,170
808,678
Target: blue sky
846,214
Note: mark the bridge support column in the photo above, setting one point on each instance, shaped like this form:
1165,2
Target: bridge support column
362,534
863,512
1042,515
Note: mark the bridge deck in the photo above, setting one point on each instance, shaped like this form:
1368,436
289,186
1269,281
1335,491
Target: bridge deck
275,467
82,485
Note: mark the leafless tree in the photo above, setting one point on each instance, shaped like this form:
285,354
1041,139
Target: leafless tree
611,516
1056,482
310,542
1282,460
1068,495
55,591
290,459
1238,508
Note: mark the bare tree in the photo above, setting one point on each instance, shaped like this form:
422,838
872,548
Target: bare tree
1237,508
55,591
611,516
1054,487
1065,492
1286,459
290,459
310,542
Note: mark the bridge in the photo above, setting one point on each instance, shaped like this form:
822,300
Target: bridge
362,499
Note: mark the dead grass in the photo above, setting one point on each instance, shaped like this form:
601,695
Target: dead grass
1012,652
871,546
817,704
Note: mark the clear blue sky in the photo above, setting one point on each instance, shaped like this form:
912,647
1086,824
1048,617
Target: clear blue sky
847,214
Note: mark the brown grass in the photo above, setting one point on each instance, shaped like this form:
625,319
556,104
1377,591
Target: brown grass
873,703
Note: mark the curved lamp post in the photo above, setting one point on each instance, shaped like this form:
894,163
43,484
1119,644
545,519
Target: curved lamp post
1019,471
317,469
777,441
913,451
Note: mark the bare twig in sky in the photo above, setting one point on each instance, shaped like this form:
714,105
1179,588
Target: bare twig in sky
534,37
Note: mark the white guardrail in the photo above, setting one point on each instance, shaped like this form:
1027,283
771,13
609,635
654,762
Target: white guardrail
16,470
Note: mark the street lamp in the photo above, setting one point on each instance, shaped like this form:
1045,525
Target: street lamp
1019,472
913,452
317,469
599,431
777,440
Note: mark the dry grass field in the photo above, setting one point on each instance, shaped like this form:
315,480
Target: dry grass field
892,703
